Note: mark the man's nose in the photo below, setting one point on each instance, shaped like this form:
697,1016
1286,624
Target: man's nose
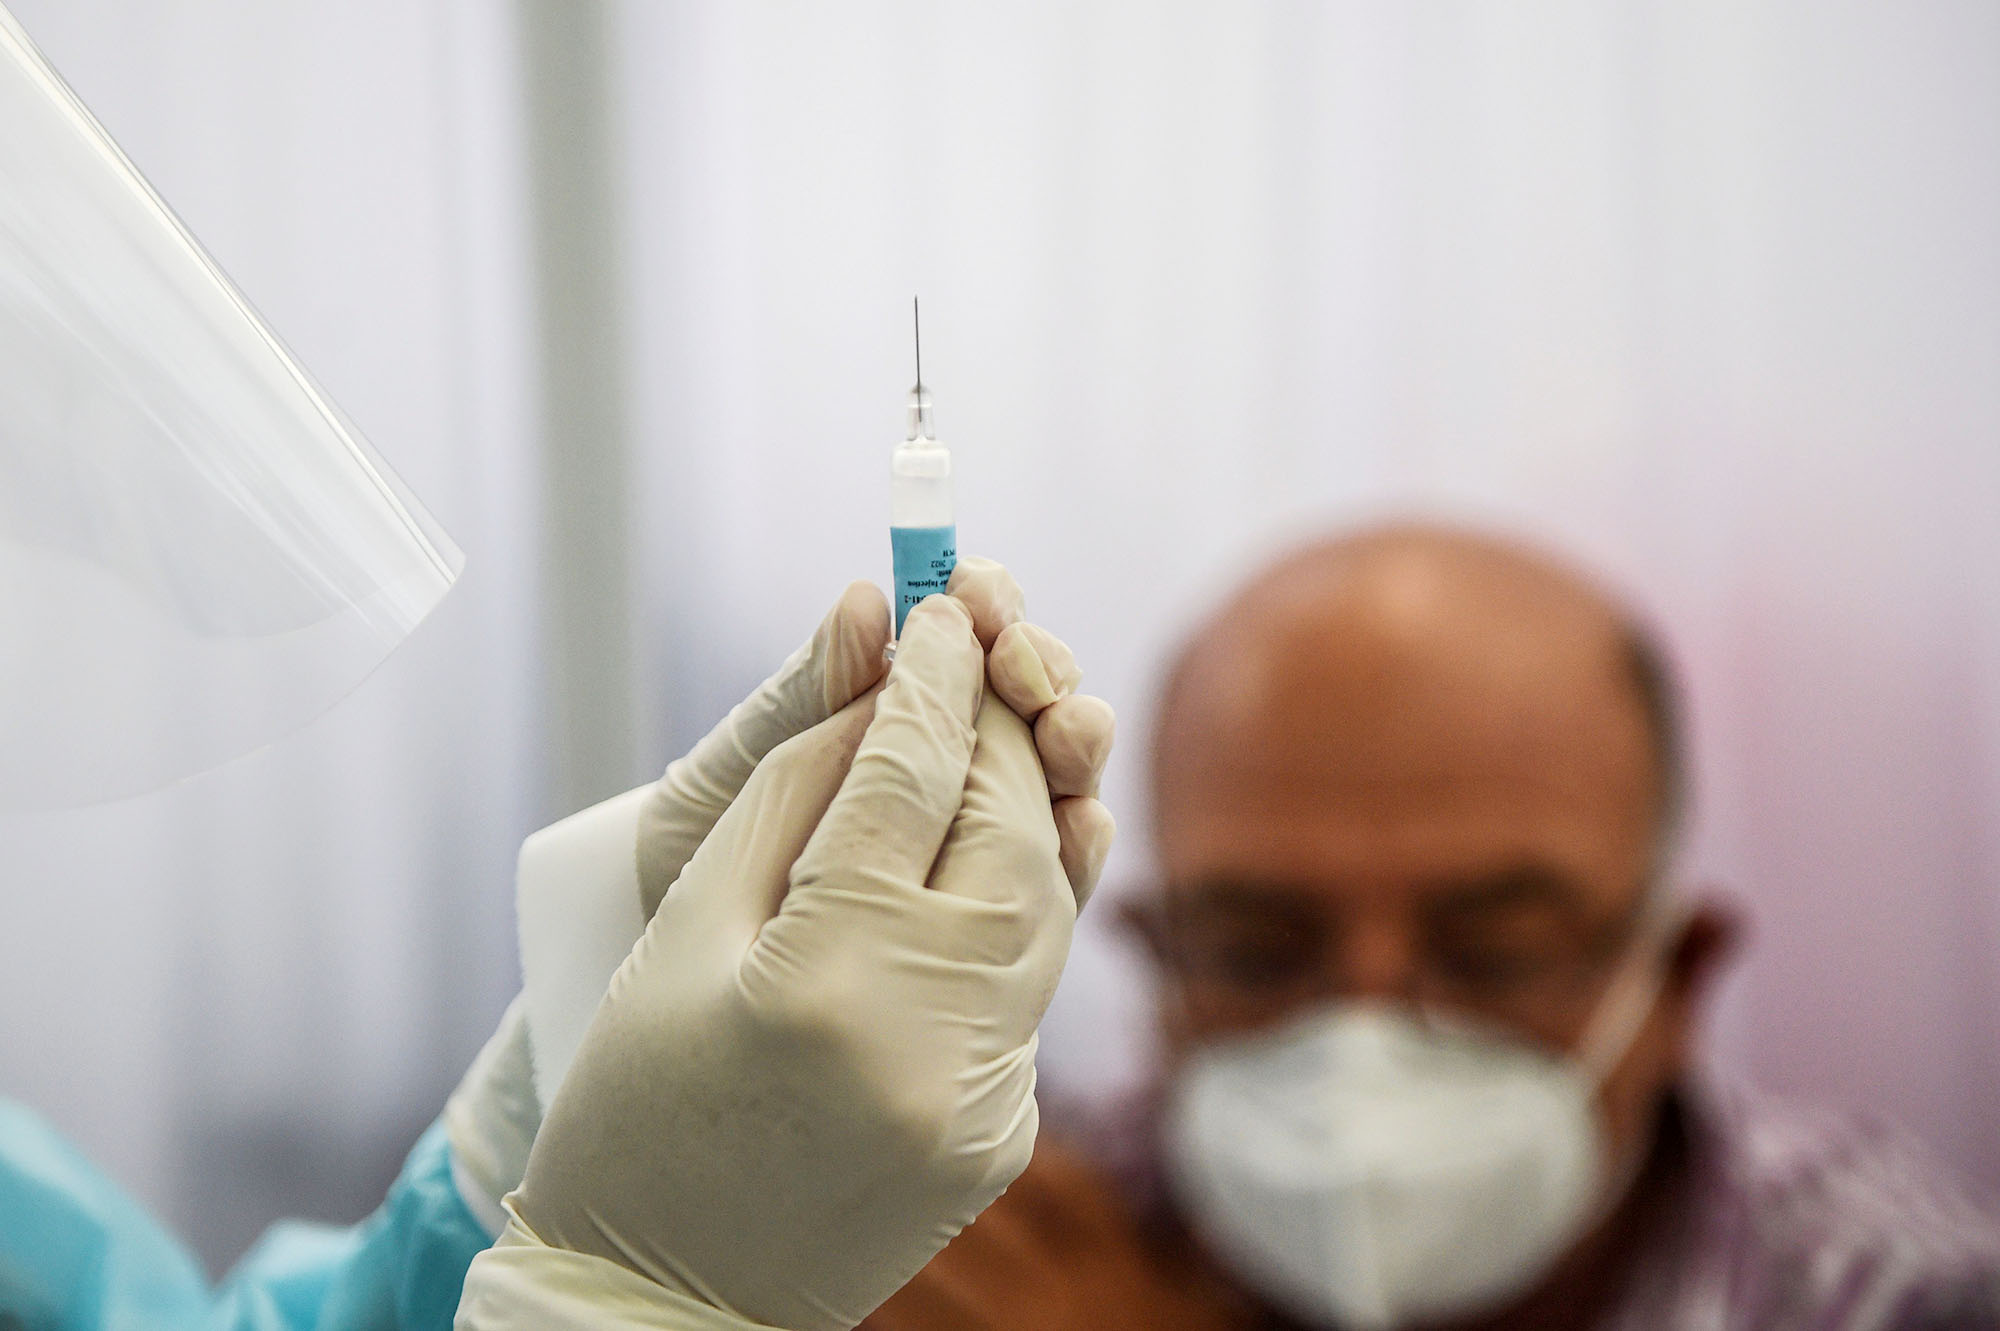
1378,960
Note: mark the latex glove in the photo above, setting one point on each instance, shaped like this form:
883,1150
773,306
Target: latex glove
843,658
1031,668
1036,674
817,1064
491,1120
588,885
492,1117
1061,1252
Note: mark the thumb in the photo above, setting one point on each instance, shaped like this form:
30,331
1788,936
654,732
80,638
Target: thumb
738,877
843,659
908,777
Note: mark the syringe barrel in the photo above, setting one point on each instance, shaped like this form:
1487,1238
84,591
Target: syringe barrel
920,486
923,534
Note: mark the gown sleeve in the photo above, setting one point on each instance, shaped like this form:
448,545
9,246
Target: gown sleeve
77,1254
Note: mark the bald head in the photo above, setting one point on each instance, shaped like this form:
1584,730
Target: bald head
1428,768
1428,651
1409,758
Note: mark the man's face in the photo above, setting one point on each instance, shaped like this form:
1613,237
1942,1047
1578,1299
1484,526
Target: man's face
1397,788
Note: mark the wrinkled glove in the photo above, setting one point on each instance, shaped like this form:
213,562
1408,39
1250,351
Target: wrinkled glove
1031,668
818,1063
589,884
843,659
491,1120
493,1115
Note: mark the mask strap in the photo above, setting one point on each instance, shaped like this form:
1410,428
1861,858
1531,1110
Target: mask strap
1633,991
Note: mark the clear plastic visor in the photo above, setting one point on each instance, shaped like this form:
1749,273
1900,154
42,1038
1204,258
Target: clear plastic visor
198,553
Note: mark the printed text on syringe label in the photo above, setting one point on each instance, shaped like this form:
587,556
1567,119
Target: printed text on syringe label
924,558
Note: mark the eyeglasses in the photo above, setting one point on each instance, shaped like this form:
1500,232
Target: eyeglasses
1244,957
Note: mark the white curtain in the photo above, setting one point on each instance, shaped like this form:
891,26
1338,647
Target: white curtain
1705,293
244,996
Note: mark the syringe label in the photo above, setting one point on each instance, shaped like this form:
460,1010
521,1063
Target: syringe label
924,558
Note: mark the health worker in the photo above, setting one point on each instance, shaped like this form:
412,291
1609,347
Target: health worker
814,1068
853,898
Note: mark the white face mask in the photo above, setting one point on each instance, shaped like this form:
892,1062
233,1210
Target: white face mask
1365,1168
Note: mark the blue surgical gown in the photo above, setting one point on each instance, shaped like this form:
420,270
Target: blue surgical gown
77,1254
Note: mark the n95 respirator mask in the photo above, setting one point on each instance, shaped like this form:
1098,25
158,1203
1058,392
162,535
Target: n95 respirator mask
1369,1168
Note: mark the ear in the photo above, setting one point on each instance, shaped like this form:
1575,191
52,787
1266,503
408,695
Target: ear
1709,939
1695,960
1142,915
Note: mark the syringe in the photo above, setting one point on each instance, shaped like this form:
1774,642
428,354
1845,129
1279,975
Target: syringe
923,536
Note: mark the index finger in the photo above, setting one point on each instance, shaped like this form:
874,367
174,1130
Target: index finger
908,778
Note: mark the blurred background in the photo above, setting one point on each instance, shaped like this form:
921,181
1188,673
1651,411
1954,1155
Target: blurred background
1705,293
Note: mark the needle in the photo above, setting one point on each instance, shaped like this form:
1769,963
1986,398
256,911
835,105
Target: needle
917,321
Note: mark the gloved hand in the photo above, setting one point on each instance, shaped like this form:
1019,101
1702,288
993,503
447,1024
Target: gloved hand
491,1120
842,660
817,1064
1032,669
589,884
493,1115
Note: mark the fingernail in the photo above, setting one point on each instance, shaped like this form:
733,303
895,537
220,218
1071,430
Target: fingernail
990,592
1093,731
1022,663
1058,662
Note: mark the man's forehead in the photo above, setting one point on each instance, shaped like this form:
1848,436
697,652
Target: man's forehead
1423,711
1495,892
1349,732
1339,647
1412,834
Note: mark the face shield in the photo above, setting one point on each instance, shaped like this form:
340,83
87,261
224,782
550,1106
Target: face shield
198,552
